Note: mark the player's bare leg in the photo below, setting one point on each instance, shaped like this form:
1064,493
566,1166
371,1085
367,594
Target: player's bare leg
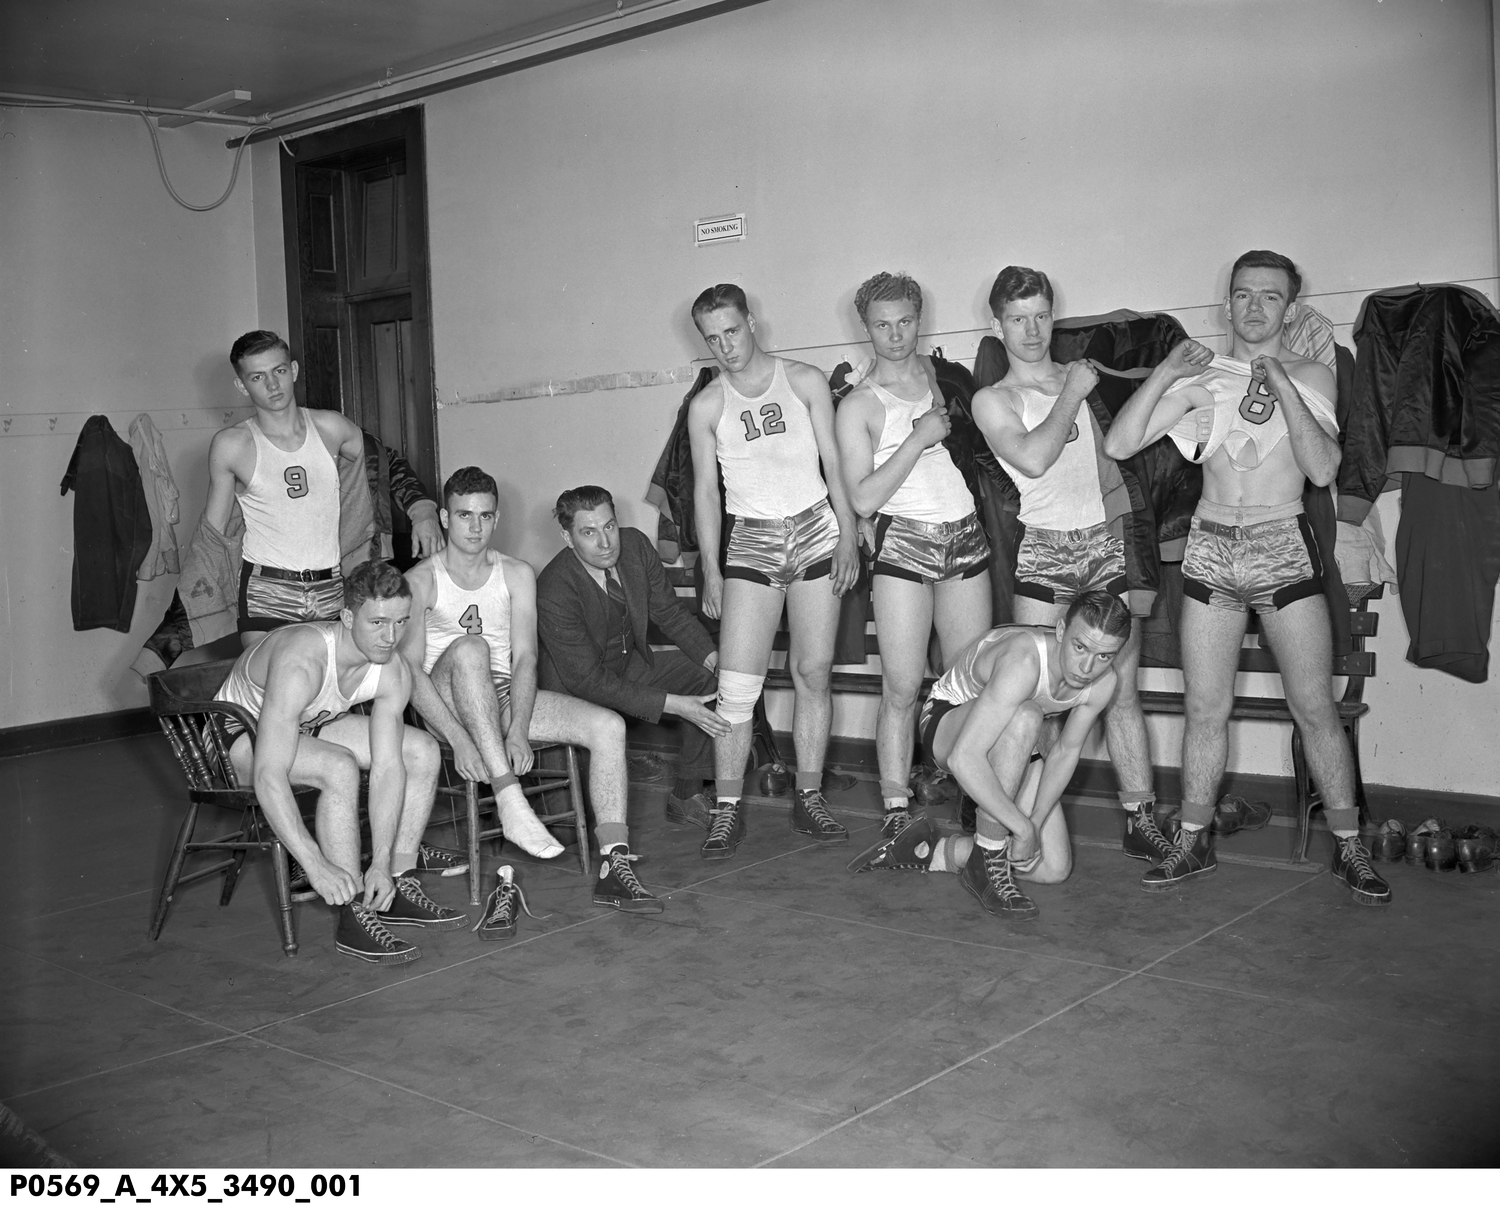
813,617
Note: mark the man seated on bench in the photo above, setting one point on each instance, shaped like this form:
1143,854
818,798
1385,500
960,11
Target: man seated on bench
1038,424
931,558
472,645
299,683
982,724
1262,423
594,600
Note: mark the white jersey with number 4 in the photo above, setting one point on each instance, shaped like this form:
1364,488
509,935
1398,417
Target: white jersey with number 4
456,612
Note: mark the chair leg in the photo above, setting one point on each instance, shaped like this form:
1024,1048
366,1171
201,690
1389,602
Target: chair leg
174,869
249,832
580,818
1360,799
284,898
471,802
1304,795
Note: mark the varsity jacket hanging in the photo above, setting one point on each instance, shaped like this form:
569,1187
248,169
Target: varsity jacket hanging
1426,396
111,527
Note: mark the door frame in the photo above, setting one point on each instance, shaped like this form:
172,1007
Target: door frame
348,145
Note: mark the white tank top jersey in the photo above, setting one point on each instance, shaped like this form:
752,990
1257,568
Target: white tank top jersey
768,452
327,706
1066,497
456,612
959,685
934,491
1245,419
292,506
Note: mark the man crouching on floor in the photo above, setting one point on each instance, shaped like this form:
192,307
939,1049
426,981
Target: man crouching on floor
982,724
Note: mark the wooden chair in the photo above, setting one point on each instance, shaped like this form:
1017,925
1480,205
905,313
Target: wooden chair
183,702
538,782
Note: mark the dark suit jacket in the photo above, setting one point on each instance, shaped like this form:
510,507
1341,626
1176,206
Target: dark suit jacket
572,619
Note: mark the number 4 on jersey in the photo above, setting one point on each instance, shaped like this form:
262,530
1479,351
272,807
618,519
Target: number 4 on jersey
470,621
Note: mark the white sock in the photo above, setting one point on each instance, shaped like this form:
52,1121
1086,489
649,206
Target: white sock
522,827
992,843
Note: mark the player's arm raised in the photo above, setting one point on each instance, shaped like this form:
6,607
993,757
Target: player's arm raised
1146,417
1315,448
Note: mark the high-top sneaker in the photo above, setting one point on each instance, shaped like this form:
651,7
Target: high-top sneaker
987,878
412,906
810,816
894,821
618,888
500,911
439,860
362,935
1192,854
910,850
1143,839
726,828
1352,865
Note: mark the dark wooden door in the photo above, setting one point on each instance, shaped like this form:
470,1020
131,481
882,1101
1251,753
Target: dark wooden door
354,202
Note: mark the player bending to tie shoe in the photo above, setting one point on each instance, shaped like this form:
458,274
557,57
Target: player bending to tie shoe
982,723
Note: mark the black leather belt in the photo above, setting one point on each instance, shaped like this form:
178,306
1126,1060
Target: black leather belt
286,575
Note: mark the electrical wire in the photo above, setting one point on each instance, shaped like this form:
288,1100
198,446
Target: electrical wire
233,174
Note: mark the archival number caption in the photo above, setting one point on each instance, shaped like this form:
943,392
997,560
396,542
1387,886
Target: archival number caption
225,1187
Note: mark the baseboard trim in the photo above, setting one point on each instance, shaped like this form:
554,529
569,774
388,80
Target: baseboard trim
1094,779
77,730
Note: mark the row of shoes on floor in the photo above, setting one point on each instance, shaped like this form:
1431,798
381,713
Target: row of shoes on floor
1436,846
365,933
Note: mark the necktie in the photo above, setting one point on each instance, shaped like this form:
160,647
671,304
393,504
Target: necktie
616,594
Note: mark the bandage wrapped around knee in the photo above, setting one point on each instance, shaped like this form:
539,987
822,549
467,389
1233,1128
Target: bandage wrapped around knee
737,695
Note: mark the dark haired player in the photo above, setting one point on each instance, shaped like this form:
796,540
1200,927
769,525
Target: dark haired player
766,422
1038,425
982,724
299,683
1262,423
281,464
931,557
472,646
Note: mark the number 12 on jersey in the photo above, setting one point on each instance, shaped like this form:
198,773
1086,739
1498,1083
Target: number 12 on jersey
773,425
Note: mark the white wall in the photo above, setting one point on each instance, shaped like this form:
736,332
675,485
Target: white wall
115,301
1129,147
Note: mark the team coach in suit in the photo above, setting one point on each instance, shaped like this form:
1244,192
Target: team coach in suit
594,600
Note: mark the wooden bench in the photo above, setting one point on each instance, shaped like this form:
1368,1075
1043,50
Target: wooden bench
1355,667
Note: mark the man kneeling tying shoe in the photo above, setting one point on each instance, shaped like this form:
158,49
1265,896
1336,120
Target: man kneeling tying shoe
982,724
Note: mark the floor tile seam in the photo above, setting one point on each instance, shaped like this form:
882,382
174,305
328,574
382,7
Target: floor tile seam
529,1132
91,904
149,1059
1341,1012
886,929
941,1072
1008,1039
255,1031
129,992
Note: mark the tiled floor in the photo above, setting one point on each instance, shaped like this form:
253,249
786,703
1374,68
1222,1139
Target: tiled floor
780,1012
